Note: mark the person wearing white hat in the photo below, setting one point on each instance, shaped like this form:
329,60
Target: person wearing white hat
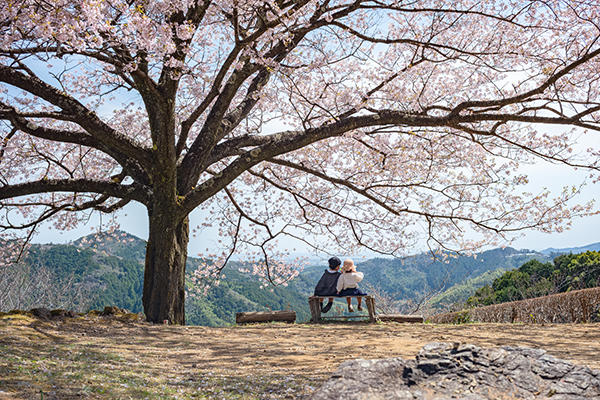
347,284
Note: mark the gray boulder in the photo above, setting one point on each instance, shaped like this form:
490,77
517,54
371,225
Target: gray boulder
462,371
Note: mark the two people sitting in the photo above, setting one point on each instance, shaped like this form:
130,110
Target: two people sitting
334,282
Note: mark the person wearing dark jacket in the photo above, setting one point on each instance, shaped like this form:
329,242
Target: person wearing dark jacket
328,283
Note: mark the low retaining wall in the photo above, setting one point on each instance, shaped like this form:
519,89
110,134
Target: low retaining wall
576,306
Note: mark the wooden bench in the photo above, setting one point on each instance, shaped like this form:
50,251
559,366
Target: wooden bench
314,303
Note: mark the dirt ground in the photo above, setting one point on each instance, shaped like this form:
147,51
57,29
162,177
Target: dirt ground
106,358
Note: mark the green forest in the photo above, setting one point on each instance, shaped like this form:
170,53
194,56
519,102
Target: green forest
534,279
103,270
420,275
105,279
454,298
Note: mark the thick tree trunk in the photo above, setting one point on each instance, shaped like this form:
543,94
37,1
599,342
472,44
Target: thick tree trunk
164,276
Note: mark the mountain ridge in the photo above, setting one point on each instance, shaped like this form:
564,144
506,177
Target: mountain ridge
580,249
126,236
113,264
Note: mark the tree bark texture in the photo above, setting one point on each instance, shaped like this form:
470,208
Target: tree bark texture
164,275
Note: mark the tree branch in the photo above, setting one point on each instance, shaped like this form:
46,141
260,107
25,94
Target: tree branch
84,117
112,189
523,96
131,165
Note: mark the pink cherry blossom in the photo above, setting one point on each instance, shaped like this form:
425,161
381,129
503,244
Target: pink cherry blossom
344,125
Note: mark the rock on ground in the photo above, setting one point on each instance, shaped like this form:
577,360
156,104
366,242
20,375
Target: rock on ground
462,371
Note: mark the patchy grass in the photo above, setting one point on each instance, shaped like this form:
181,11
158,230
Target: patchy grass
80,358
99,357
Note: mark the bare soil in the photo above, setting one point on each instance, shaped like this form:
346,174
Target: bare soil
98,357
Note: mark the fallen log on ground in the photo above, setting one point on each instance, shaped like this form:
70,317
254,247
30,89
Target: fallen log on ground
265,316
400,318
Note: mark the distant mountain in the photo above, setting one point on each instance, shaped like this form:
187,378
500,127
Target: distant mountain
123,245
99,278
412,278
119,243
574,250
110,269
107,269
237,292
456,295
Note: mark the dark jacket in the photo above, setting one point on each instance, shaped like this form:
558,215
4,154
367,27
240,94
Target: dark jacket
327,284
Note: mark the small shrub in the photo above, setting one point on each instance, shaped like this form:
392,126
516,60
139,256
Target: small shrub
462,317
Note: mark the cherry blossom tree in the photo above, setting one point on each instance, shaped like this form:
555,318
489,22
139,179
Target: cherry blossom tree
339,123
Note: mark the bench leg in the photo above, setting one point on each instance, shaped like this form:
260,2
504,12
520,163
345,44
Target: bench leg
315,310
371,308
318,310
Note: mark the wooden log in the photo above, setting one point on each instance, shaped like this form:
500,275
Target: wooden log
265,316
400,318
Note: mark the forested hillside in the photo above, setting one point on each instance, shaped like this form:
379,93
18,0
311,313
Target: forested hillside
101,269
534,279
241,292
412,278
453,299
72,277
